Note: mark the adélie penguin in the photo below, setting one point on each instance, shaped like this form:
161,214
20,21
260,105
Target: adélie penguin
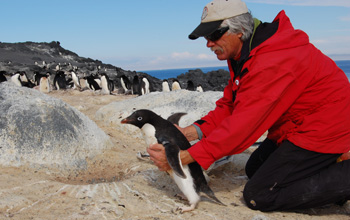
189,178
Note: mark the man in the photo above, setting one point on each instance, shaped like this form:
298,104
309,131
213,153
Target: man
281,83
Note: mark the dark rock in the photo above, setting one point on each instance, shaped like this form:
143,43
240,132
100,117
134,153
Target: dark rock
211,81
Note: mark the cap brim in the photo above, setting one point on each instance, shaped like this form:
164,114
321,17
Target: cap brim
204,29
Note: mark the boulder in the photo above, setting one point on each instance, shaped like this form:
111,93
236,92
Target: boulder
195,104
42,132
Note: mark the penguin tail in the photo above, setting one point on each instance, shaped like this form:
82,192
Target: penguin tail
175,118
172,152
206,189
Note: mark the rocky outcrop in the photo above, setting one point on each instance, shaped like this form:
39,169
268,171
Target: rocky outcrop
47,57
42,132
195,104
211,81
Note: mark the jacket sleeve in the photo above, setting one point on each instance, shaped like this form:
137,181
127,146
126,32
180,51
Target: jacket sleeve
262,97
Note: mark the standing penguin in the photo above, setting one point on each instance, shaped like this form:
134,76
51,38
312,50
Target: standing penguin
190,85
60,80
135,85
145,86
125,83
76,80
44,85
92,84
189,178
199,88
165,86
106,84
176,85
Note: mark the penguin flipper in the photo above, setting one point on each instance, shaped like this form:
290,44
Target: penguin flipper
175,118
172,152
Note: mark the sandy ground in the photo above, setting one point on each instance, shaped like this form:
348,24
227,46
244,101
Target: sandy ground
119,186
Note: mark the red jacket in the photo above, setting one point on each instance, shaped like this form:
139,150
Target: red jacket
289,88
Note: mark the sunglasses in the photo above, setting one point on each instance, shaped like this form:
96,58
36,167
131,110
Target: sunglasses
216,35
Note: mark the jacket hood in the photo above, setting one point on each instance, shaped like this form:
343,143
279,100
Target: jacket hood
285,37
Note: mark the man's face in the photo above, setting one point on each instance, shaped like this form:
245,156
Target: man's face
227,47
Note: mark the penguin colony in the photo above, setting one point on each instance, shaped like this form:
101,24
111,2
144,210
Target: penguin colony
66,76
189,178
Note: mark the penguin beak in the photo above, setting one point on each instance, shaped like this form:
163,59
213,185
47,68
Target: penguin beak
125,121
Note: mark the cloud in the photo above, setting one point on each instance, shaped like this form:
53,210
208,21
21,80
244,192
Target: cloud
333,45
169,61
345,18
342,3
188,55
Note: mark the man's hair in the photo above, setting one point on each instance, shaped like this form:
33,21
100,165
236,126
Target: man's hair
243,23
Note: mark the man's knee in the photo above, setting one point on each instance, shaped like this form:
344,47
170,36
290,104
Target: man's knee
257,200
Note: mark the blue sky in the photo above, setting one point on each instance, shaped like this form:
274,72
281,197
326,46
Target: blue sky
148,35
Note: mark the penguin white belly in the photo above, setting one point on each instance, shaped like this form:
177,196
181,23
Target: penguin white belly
186,185
44,85
15,80
57,86
175,86
146,86
104,85
75,81
187,188
123,85
149,134
165,87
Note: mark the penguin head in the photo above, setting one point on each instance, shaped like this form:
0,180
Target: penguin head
140,117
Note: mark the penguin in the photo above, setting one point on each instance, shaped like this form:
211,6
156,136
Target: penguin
2,76
44,85
60,80
37,76
165,86
97,79
92,84
83,82
25,81
125,83
199,88
190,85
145,86
16,79
106,84
135,85
76,81
176,85
189,178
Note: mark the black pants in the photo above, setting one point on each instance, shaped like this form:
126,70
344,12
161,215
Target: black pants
290,178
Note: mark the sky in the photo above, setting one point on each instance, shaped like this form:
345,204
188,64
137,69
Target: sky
153,35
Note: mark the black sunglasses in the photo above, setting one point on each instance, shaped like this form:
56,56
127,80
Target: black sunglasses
216,35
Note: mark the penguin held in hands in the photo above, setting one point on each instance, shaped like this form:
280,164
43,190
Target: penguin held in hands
189,178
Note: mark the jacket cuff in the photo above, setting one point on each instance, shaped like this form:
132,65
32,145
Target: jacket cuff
199,132
200,155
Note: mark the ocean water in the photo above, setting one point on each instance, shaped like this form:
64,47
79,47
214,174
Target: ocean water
173,73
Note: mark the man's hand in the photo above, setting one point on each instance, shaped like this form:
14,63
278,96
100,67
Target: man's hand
157,155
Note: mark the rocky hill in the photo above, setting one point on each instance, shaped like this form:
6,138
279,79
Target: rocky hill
49,57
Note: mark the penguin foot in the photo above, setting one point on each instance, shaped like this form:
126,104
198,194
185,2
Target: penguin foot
186,208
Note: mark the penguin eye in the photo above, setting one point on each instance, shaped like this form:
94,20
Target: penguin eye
139,118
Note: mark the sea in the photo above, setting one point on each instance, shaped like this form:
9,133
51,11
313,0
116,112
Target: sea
173,73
